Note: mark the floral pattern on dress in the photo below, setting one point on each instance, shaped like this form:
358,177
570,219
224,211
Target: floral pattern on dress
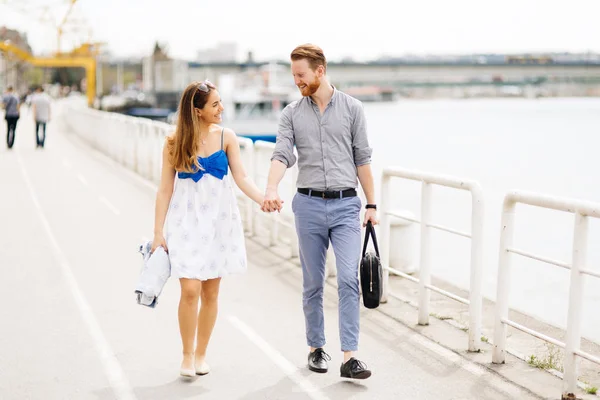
205,236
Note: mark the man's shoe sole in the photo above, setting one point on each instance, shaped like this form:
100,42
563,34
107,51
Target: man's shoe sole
360,375
319,370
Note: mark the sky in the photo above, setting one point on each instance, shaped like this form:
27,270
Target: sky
362,30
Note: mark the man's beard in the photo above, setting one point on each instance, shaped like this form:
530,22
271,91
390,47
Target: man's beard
311,88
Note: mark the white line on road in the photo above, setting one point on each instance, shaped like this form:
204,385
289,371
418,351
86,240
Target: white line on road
112,368
109,205
102,199
114,164
288,368
82,180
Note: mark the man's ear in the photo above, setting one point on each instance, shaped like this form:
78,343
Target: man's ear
321,71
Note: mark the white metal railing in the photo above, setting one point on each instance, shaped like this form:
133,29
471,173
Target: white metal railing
475,297
137,144
247,152
281,227
572,346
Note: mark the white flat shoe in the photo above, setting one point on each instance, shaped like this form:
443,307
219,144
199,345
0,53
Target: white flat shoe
202,368
187,372
190,373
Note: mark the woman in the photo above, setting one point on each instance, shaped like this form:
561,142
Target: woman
196,205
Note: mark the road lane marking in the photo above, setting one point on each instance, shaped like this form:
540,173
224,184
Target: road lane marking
113,370
102,199
108,204
287,367
82,180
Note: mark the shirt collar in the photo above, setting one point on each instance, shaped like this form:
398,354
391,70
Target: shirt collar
331,101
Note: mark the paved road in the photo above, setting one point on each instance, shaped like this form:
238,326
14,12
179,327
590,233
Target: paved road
70,224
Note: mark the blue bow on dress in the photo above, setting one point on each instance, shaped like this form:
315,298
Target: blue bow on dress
216,165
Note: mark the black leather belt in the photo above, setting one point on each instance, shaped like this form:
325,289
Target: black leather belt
333,194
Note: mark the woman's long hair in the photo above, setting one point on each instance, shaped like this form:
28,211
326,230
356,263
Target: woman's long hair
183,146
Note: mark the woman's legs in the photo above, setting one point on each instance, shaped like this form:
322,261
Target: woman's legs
207,315
188,311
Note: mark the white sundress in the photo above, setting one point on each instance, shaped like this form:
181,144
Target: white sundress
204,231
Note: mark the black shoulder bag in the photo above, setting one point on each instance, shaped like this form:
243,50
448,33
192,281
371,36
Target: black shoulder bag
371,272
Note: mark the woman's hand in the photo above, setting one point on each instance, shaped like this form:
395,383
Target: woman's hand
159,241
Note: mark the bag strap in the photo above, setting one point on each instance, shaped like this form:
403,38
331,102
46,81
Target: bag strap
370,232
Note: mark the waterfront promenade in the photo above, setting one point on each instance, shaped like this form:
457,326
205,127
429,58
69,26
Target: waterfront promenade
71,223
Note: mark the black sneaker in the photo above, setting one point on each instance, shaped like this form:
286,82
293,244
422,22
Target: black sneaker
317,360
354,369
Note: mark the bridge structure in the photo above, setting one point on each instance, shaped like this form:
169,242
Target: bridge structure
406,74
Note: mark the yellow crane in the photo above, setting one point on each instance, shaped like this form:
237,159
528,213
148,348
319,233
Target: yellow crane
83,56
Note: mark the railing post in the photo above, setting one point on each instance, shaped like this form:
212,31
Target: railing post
502,291
295,246
255,176
249,205
573,339
138,146
157,146
425,268
477,215
384,229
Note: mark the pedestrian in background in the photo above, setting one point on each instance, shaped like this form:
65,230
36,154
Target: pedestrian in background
11,105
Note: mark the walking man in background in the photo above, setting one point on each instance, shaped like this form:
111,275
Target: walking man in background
328,129
41,114
11,105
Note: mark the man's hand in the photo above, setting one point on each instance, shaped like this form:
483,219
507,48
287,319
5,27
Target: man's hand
272,201
370,215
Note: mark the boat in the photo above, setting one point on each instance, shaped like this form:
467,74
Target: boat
135,104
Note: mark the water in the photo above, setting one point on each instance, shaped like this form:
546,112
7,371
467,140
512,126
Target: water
549,146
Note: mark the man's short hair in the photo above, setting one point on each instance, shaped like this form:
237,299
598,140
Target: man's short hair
312,53
9,88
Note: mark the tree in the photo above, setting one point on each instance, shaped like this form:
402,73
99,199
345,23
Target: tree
68,76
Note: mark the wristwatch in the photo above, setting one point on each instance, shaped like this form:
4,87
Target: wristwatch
373,206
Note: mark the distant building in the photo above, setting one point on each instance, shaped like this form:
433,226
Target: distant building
11,70
222,53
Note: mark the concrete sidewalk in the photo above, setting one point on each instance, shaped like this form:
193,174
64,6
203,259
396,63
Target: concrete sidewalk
71,329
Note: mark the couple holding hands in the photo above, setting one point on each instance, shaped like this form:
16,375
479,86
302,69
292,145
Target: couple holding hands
197,210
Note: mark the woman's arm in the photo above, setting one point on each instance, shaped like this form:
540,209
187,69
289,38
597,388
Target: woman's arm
241,178
163,198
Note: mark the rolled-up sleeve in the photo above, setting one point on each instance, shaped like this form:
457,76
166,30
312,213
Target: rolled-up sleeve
284,145
360,143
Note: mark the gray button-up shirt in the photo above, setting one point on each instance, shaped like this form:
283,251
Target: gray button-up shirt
330,146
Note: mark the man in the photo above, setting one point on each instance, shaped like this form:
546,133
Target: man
41,114
11,105
329,131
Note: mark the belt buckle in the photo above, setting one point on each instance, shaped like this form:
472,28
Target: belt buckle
323,194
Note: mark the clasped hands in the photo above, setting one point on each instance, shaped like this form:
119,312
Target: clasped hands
271,202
